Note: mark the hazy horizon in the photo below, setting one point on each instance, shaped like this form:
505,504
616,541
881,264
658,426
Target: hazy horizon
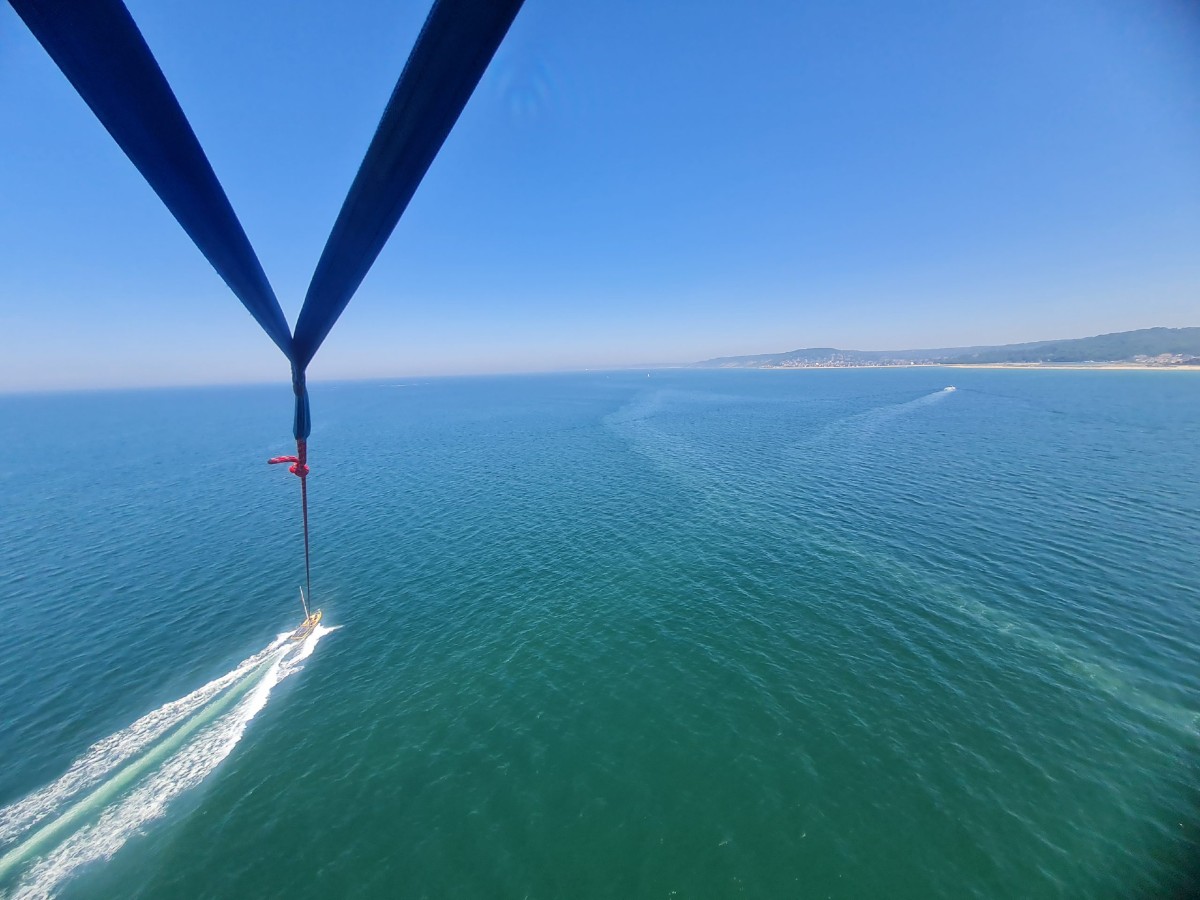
233,380
607,198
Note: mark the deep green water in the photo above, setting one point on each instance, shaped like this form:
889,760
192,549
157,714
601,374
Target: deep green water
694,635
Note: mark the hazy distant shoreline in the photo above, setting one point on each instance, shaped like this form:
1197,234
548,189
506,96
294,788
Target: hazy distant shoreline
1146,348
1138,367
1107,366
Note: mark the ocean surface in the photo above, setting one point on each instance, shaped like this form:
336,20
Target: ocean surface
677,634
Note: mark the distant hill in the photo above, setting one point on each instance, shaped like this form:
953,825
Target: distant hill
1150,346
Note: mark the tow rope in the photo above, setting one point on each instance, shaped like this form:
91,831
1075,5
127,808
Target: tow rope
299,468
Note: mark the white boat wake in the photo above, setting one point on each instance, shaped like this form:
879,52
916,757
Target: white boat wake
130,778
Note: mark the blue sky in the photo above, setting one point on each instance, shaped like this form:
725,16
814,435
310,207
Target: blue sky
632,183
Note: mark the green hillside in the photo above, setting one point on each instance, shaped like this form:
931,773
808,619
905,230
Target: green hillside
1122,346
1159,346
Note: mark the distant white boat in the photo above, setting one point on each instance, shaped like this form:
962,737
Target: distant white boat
951,388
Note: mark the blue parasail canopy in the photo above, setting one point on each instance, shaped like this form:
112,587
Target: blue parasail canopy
99,48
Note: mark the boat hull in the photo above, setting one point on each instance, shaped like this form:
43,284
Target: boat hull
306,627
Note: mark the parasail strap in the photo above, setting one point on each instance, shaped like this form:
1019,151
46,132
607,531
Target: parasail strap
299,468
103,54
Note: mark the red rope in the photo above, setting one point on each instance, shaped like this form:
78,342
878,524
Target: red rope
299,468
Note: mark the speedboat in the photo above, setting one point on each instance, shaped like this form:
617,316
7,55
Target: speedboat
311,621
306,627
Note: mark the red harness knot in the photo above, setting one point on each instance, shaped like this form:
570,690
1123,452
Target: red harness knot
298,466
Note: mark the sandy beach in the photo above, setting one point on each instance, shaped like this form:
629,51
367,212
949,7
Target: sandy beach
1111,367
1076,366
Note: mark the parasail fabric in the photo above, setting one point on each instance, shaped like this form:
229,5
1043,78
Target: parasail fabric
103,54
454,48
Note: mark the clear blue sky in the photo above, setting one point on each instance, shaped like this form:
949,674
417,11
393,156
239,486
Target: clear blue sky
632,182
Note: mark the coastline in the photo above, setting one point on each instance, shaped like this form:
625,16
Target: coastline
1116,366
1143,348
1110,367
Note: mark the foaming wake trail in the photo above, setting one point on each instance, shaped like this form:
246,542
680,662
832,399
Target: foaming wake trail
887,413
106,755
131,778
865,425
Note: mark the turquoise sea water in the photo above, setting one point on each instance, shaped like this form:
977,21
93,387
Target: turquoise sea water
697,634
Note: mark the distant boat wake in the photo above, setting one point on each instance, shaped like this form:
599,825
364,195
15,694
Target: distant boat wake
129,778
866,425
